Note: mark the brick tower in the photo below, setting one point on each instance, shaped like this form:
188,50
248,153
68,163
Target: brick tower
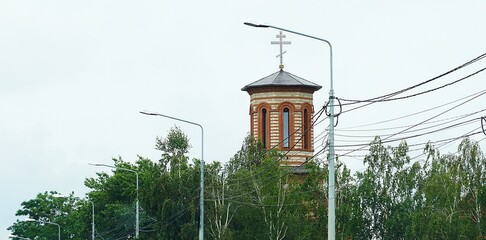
281,113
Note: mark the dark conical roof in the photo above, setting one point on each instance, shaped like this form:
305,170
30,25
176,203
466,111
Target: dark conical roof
282,79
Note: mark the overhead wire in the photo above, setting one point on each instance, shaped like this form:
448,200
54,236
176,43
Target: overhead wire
448,127
476,59
386,96
409,115
450,119
441,141
446,142
428,119
416,94
483,124
442,144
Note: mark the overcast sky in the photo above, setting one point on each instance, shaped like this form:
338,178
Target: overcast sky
75,74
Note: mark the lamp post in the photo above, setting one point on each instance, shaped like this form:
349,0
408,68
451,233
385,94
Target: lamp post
331,231
92,220
201,198
92,213
51,223
137,214
17,237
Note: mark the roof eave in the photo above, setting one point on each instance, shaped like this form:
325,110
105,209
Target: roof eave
269,87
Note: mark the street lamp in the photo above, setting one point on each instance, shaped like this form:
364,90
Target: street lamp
17,237
51,223
92,213
137,214
331,231
201,197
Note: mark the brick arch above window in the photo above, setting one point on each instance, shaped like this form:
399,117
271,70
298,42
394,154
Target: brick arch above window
263,117
307,126
283,105
308,106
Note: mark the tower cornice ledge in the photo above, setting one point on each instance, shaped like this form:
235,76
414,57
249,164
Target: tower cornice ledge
281,81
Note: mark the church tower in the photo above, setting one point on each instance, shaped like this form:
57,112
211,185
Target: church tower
281,112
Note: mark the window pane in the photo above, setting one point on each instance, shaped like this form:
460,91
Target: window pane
306,129
286,128
264,128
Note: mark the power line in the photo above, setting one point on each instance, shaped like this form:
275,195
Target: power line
443,143
383,97
436,115
465,122
476,59
409,115
387,140
416,94
428,119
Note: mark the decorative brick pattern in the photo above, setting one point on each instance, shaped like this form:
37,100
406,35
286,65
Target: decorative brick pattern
275,101
279,106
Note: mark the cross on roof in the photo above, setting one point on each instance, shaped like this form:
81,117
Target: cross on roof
281,36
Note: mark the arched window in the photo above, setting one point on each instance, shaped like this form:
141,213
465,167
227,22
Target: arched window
264,128
306,129
286,127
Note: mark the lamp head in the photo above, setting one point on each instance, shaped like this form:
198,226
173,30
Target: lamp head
15,236
251,24
30,220
148,113
95,164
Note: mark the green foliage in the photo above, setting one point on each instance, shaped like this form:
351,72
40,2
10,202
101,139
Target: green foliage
269,201
253,197
168,193
47,211
174,148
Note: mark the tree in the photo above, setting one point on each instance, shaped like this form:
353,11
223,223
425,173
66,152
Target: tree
71,214
474,166
347,204
170,189
253,197
174,147
385,192
114,197
451,192
220,211
266,200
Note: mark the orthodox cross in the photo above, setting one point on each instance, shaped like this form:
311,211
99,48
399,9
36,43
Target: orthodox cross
281,42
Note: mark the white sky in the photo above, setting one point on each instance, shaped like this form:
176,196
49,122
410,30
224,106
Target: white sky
75,74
